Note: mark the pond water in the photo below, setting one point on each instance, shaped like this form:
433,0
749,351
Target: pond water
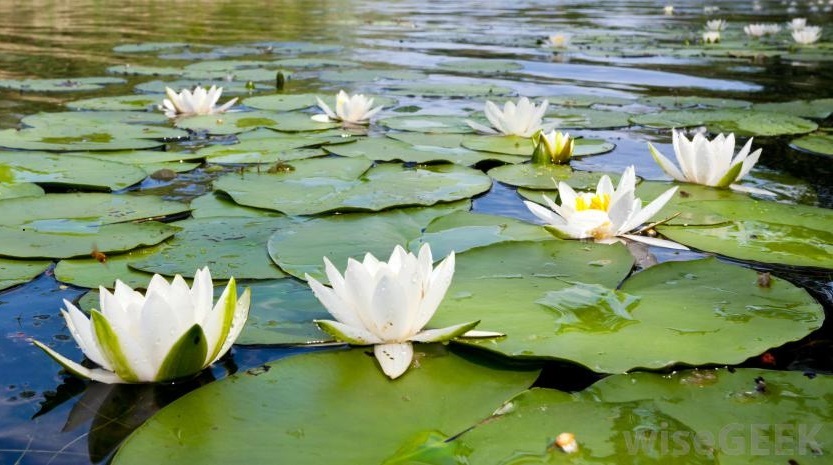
619,55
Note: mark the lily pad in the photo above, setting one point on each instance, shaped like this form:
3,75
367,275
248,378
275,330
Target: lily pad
676,102
118,103
14,272
214,204
146,47
12,190
22,242
306,408
237,122
821,144
143,70
767,232
82,212
140,157
308,62
741,122
564,306
370,75
77,171
281,102
480,66
587,118
67,139
59,85
299,249
422,88
351,184
741,416
816,109
535,176
90,272
273,147
514,145
587,100
230,247
387,149
229,88
441,124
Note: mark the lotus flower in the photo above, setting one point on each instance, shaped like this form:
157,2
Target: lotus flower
716,25
710,163
386,304
356,109
200,102
604,215
553,148
808,35
171,332
711,37
523,119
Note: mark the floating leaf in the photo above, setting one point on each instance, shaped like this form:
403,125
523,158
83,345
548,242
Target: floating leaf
271,148
230,247
741,122
67,139
11,190
386,149
821,144
445,89
768,232
59,85
118,103
534,176
237,122
229,88
816,109
76,171
350,184
90,272
441,124
306,408
146,47
586,118
215,204
480,66
142,70
521,146
14,272
370,75
83,120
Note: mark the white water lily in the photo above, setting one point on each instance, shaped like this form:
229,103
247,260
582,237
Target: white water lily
808,35
170,332
668,10
522,119
716,25
605,215
797,24
386,304
557,41
711,37
198,102
711,163
553,148
760,30
356,109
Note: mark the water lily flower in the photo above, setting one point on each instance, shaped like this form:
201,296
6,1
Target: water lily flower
355,109
553,148
668,10
523,119
199,102
716,25
557,41
808,35
711,37
797,24
170,332
386,304
605,215
710,163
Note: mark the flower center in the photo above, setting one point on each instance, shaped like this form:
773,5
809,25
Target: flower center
593,202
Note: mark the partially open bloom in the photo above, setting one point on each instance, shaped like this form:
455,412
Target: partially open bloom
170,332
716,25
668,10
604,215
808,35
557,41
356,109
711,37
759,30
199,102
710,163
797,23
567,443
553,148
386,304
523,119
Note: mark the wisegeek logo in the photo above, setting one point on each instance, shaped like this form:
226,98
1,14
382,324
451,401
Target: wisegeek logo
754,439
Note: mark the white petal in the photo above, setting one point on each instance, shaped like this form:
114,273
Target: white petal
350,334
749,162
648,212
656,242
666,164
76,369
434,294
443,334
326,109
394,358
334,303
480,127
546,215
80,327
390,310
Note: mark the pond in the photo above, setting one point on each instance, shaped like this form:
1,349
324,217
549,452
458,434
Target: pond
644,353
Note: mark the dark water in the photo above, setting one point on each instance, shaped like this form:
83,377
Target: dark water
46,417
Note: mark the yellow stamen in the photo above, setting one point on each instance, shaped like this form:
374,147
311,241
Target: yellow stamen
593,202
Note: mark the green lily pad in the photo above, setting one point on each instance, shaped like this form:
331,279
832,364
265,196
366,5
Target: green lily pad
68,139
230,247
480,66
422,88
555,314
146,47
306,408
524,430
441,124
821,144
12,190
351,184
82,212
299,248
214,204
144,70
387,149
293,63
514,145
741,122
118,103
59,85
90,272
22,242
237,122
533,176
271,148
767,232
689,206
587,118
83,120
586,100
77,171
229,88
14,272
741,416
816,109
676,102
281,102
253,75
370,75
230,65
282,312
142,158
